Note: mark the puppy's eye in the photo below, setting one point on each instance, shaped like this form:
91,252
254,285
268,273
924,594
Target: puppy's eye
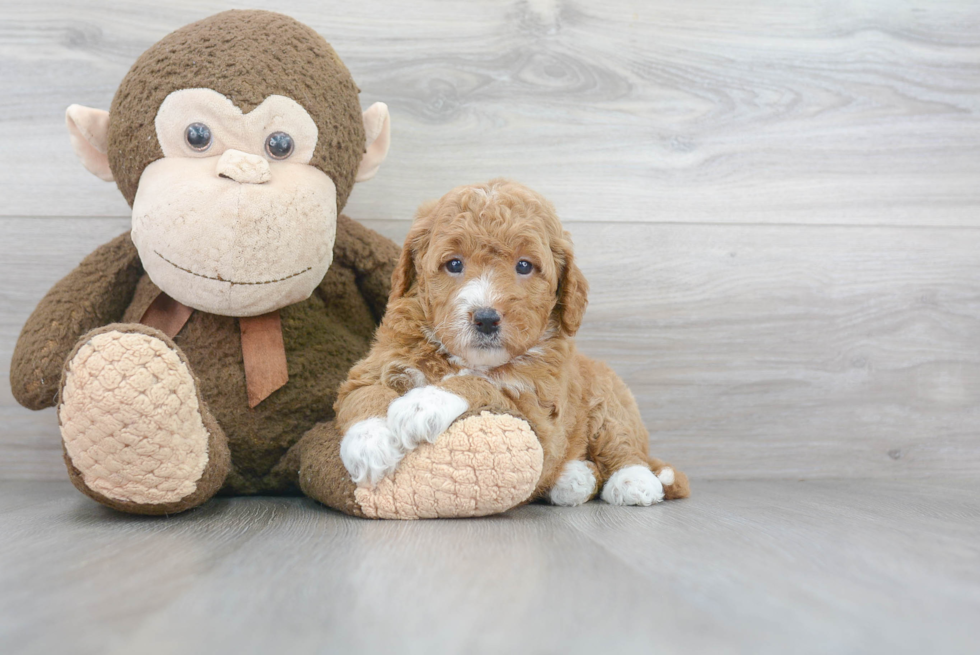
454,266
198,136
279,145
524,267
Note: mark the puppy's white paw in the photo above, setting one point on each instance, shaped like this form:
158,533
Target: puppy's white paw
633,485
423,414
370,451
575,486
666,476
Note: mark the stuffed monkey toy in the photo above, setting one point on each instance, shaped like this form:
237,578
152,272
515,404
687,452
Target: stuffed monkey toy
201,352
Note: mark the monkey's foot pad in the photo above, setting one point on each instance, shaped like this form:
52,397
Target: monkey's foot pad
131,419
481,465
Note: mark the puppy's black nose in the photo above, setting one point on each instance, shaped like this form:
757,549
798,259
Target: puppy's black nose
486,320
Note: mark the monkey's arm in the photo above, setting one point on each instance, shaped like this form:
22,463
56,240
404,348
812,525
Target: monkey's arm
371,256
96,293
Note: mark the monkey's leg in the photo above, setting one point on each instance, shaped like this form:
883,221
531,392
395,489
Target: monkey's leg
483,464
322,475
137,434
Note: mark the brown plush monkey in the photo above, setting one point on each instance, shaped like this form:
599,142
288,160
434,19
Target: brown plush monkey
193,354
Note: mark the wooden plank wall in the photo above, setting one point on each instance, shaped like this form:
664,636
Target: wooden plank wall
777,203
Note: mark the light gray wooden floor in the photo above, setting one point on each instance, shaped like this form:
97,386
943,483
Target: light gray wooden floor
828,566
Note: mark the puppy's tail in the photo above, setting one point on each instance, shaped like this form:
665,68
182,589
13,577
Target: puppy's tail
674,481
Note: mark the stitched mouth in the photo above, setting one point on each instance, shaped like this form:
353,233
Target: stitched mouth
218,278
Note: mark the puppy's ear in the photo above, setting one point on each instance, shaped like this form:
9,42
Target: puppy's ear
573,290
404,275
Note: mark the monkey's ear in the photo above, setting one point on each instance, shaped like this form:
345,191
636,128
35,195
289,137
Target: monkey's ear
377,129
89,132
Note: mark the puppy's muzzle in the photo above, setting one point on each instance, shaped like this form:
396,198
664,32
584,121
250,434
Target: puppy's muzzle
486,320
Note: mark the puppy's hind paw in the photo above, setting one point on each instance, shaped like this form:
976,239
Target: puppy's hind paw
423,414
633,485
370,451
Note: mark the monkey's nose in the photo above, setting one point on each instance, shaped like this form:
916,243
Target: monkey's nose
243,167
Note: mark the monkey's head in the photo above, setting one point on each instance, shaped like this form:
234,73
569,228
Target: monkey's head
236,140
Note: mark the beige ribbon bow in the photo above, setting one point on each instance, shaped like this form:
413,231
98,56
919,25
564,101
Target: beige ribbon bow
263,349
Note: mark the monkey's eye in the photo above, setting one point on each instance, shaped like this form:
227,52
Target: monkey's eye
198,136
524,267
454,266
279,145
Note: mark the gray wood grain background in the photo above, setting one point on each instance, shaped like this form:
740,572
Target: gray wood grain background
777,203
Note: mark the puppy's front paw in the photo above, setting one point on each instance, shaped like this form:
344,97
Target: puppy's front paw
423,414
575,486
370,451
633,485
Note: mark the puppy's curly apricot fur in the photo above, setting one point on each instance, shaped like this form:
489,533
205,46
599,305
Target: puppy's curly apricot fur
485,301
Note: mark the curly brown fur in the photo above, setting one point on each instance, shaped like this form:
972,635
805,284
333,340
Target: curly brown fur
579,408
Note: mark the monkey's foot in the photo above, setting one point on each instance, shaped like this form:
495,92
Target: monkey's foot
137,434
481,465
